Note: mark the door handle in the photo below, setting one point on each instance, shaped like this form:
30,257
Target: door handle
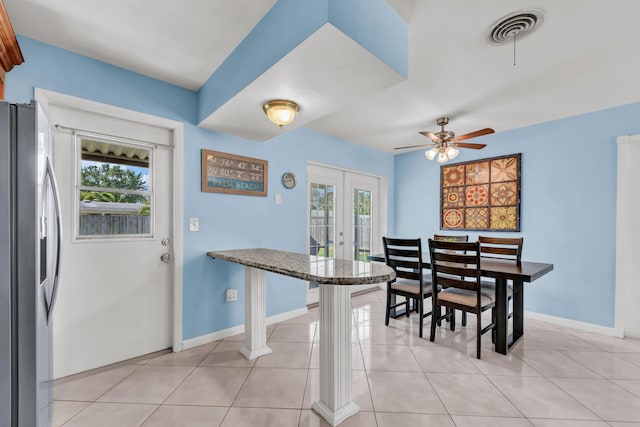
165,257
56,200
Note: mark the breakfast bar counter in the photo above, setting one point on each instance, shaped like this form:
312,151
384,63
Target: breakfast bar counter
333,277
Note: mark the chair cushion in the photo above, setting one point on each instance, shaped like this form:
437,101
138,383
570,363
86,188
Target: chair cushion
411,286
491,287
464,297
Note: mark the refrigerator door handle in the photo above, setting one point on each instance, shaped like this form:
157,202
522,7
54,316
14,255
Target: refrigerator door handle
56,201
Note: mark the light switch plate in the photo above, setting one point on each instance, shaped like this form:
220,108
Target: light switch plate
231,295
194,224
278,199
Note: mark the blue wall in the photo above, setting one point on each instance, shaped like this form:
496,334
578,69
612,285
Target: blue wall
568,192
568,206
226,221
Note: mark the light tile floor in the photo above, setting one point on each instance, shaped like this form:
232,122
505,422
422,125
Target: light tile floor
556,377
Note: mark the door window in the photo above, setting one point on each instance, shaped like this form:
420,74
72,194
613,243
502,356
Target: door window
362,229
114,188
345,216
321,220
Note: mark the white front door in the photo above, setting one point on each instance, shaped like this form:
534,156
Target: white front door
345,216
115,298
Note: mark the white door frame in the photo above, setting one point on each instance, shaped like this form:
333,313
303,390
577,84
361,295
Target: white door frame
627,232
46,97
381,226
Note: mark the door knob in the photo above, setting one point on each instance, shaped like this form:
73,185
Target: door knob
165,257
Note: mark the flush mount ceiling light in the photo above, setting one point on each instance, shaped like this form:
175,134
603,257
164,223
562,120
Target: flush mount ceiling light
280,111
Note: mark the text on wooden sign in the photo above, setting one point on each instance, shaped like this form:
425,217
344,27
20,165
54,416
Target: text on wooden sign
233,174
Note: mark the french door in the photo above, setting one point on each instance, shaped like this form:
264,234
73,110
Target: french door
346,216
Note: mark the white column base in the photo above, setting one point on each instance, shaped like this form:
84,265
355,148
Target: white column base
250,355
255,318
335,417
336,317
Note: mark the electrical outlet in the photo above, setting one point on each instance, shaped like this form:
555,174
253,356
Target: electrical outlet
232,295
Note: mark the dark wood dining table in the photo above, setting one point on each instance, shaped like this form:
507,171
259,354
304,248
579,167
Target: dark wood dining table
503,271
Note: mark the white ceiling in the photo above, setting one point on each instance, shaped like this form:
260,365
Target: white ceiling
585,57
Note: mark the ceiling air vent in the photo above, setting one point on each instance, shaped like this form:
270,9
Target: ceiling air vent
516,24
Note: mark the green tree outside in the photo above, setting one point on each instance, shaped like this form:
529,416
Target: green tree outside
112,176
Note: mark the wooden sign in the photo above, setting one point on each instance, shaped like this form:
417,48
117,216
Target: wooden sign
232,174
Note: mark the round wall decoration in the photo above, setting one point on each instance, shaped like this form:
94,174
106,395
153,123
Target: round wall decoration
288,180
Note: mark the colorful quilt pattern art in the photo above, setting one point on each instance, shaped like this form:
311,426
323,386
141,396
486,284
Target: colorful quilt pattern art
481,195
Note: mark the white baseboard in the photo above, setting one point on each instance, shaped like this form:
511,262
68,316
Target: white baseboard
633,335
568,323
229,332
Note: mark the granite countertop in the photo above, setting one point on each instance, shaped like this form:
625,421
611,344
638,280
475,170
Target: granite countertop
309,267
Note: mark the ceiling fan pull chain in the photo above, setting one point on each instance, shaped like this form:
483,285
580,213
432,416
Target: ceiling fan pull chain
514,49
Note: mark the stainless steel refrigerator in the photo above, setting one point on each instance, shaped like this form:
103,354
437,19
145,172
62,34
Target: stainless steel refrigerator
30,237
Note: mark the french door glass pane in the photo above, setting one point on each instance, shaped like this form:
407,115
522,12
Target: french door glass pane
322,220
361,224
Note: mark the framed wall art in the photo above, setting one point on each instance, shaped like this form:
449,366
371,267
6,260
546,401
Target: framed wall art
233,174
481,194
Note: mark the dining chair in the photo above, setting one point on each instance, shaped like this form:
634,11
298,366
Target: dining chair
455,269
454,238
506,248
509,248
404,256
449,238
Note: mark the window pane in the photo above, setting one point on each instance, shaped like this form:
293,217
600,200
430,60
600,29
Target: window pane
115,189
103,216
113,175
322,220
361,224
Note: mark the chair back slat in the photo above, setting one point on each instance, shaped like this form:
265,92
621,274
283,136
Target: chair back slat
451,256
509,248
456,282
450,238
398,253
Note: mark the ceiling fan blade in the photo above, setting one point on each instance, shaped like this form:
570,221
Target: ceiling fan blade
433,137
412,146
467,145
485,131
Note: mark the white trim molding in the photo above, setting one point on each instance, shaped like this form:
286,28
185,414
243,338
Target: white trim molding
568,323
627,322
235,330
46,97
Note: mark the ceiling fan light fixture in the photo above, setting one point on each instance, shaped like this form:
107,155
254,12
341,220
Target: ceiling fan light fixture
442,157
452,153
431,154
280,111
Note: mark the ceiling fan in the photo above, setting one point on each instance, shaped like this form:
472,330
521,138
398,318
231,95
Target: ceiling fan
446,143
